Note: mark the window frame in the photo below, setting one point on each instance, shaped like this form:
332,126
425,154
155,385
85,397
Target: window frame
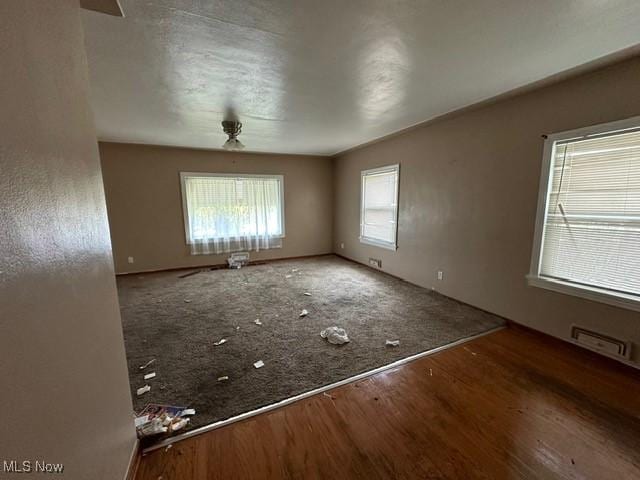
597,294
185,209
372,241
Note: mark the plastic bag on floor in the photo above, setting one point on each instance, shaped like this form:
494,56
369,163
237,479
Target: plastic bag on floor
335,335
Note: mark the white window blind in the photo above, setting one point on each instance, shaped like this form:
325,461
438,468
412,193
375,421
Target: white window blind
379,206
232,212
591,229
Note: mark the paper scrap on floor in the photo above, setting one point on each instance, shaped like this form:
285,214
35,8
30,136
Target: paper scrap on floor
393,343
156,419
335,335
178,424
304,313
259,364
139,421
149,376
142,367
143,390
152,427
257,321
220,342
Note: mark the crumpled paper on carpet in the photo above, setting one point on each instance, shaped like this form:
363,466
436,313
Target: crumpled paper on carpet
335,335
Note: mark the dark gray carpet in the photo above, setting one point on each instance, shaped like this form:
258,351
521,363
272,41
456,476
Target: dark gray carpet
370,305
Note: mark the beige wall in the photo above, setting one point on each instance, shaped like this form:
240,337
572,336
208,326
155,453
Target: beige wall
65,393
468,193
142,185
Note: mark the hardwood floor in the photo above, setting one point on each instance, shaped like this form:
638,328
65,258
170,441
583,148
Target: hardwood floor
513,404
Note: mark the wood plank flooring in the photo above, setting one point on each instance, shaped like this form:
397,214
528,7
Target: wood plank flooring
513,404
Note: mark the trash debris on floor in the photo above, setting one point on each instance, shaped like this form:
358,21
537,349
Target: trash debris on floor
156,419
220,342
257,321
393,343
143,390
187,301
151,427
139,421
470,351
288,276
179,425
191,373
238,260
259,364
149,376
335,335
304,313
147,364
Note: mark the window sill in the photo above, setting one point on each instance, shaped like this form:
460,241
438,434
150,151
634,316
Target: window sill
377,243
595,294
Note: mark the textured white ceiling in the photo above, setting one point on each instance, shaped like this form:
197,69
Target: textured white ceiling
321,76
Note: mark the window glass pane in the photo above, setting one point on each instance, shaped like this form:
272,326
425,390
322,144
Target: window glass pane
379,208
230,207
592,224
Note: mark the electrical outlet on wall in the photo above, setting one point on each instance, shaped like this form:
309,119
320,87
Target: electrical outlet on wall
440,274
342,245
130,259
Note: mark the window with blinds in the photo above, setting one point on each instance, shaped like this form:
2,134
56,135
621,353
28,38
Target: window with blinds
222,206
589,225
379,206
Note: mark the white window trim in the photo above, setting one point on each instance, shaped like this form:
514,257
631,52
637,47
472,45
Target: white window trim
185,210
534,278
372,241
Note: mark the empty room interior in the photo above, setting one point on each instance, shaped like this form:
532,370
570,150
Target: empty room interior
297,239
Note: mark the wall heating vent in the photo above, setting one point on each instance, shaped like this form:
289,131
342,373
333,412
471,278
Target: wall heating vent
601,343
375,262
